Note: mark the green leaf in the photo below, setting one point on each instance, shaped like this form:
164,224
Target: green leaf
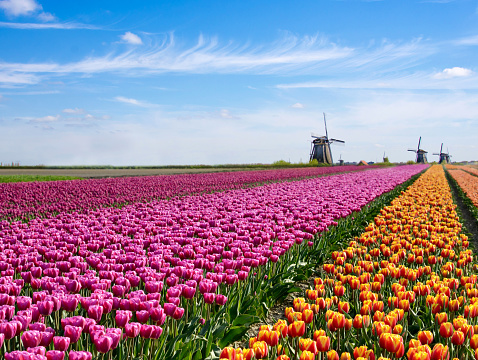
235,333
245,319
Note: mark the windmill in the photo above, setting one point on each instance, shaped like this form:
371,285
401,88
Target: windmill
421,154
320,147
444,157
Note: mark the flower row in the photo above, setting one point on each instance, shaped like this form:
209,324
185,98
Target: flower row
405,288
468,183
27,200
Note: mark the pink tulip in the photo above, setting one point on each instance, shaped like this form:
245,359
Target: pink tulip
122,317
95,312
61,343
132,329
55,355
73,333
103,344
31,338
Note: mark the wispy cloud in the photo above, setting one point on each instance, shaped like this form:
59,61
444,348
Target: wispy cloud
298,106
469,40
448,79
42,26
206,56
134,102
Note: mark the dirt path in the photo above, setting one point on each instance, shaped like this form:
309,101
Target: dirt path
466,217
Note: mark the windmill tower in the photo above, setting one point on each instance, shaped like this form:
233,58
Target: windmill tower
320,147
421,154
444,157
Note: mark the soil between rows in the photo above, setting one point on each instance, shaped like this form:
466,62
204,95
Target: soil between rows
466,217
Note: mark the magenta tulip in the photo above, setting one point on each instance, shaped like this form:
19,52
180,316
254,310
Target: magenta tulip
31,338
61,343
73,333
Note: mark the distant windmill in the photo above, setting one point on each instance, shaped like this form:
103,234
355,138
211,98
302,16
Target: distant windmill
421,157
444,157
320,147
385,158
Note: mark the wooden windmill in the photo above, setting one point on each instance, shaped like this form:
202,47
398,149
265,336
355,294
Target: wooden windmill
421,157
444,157
320,147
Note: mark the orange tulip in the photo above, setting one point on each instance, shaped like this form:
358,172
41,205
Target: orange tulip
425,337
323,343
343,307
307,355
260,349
307,316
458,338
441,318
440,352
474,342
297,328
446,329
358,321
345,356
228,353
332,355
283,357
247,354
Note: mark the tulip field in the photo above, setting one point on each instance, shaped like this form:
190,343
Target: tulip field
405,288
179,267
20,201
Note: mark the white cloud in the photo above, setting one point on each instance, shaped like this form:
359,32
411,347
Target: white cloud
41,26
46,119
453,72
298,106
75,111
226,114
131,38
44,16
134,102
19,7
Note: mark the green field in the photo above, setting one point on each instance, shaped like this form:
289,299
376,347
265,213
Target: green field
29,178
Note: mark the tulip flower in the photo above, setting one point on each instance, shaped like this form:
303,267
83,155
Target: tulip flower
296,329
446,330
260,349
31,338
55,355
73,333
323,343
61,343
425,337
440,352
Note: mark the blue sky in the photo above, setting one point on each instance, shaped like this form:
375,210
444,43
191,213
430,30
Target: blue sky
214,82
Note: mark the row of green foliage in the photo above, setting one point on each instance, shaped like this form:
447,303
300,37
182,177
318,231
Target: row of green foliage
30,178
249,301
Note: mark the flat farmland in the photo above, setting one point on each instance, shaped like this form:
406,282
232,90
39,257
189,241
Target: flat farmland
103,173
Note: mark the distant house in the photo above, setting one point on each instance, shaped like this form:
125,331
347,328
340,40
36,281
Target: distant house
362,162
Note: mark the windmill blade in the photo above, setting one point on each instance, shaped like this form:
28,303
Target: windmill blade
326,133
436,154
336,140
419,141
441,149
315,135
413,150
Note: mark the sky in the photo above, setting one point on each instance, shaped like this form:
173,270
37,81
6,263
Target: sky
238,81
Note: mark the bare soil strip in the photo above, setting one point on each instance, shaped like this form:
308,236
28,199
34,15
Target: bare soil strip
466,217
